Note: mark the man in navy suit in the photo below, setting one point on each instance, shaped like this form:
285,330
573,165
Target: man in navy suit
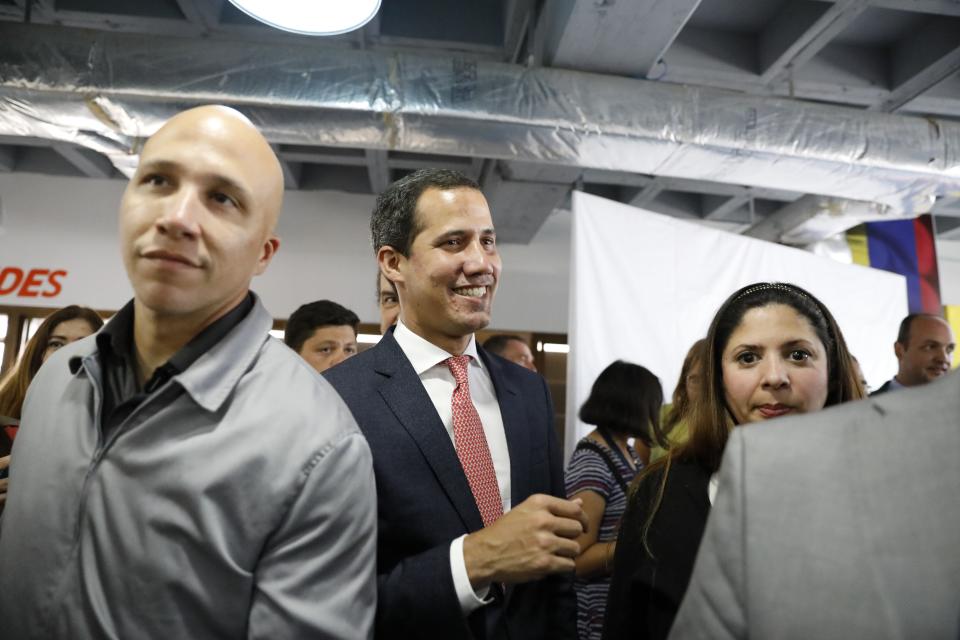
475,539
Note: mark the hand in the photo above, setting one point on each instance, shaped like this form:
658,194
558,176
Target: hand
4,463
534,539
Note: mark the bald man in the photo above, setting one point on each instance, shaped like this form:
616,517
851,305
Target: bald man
181,474
924,350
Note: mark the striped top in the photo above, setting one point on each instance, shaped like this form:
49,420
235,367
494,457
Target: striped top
588,471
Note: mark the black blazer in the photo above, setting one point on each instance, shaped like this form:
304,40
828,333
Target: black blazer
645,591
424,501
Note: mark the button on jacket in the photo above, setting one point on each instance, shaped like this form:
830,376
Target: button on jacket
236,501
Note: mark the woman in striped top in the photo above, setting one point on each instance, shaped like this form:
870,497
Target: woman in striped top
624,403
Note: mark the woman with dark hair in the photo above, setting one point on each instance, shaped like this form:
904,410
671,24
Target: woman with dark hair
624,403
59,329
673,417
772,350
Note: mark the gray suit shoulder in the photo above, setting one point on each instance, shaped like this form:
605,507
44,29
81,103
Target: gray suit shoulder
892,422
297,392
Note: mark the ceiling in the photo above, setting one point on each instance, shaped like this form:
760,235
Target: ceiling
893,56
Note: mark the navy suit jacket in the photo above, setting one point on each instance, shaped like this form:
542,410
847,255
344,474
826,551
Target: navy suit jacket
424,500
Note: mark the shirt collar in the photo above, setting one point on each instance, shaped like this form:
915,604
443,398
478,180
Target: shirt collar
425,355
116,338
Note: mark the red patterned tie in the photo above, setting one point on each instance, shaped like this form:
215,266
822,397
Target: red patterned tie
472,447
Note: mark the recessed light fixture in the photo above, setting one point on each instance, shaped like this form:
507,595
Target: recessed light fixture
311,18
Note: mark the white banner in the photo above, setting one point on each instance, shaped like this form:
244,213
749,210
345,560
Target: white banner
644,287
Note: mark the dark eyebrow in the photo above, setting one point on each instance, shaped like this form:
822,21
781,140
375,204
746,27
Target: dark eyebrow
217,181
799,342
461,232
158,165
446,235
786,345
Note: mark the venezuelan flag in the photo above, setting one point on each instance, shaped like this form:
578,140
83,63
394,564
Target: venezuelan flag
905,247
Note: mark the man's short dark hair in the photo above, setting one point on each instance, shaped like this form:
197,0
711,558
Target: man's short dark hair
394,220
903,335
497,344
313,315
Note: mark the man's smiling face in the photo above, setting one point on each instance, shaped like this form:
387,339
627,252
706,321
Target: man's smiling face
451,275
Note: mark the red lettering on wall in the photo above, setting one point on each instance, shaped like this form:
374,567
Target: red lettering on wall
30,288
35,282
55,283
10,279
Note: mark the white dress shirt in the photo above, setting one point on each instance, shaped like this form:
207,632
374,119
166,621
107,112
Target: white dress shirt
428,361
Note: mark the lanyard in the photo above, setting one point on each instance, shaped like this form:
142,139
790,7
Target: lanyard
613,446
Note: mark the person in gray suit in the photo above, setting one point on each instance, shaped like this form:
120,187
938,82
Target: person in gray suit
843,524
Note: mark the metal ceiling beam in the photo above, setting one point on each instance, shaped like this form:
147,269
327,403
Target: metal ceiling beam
466,165
726,207
624,38
520,208
819,80
105,91
46,12
620,178
291,170
785,219
89,163
476,168
518,18
378,170
369,34
304,154
946,228
935,7
14,11
8,159
800,31
203,13
539,172
685,206
923,61
647,194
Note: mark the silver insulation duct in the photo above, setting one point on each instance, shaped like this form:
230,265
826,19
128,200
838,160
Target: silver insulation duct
107,91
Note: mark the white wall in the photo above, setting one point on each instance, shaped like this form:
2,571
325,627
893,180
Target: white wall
70,223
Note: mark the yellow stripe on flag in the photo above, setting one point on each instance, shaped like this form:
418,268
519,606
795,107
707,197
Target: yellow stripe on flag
857,239
952,313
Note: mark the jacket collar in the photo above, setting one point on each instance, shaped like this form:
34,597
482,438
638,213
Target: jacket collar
404,394
215,374
212,376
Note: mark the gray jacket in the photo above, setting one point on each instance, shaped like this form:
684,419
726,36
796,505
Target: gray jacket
843,524
243,509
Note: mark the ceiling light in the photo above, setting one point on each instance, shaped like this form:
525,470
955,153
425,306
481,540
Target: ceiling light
314,18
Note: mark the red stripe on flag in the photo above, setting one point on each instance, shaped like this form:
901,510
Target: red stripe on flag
927,264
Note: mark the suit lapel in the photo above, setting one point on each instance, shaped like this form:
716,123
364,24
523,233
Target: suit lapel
403,392
514,416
